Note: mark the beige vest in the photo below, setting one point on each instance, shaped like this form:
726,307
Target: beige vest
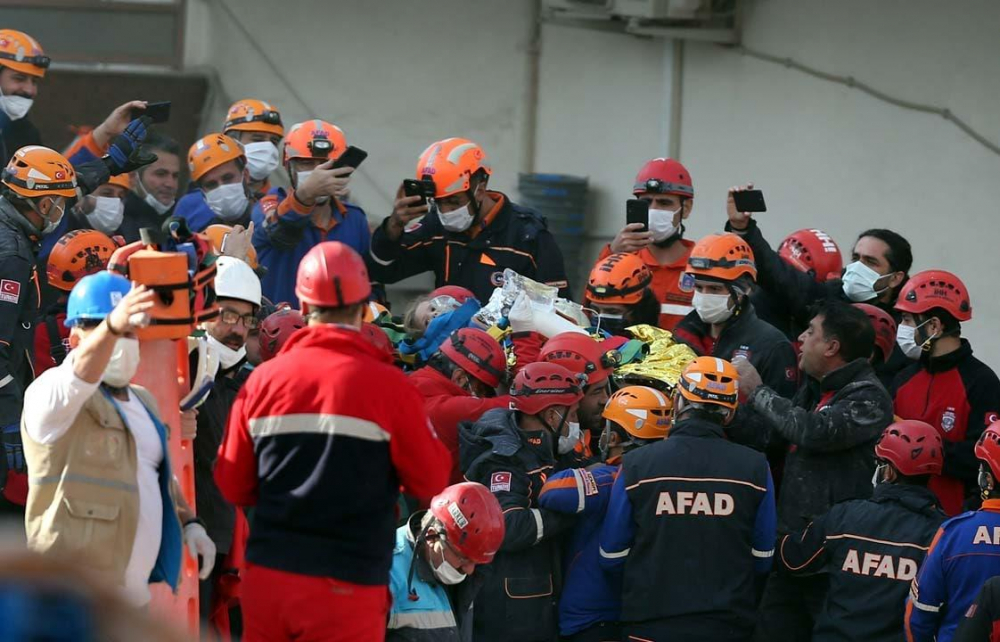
83,499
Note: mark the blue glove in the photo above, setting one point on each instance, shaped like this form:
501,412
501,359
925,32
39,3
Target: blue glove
124,153
13,449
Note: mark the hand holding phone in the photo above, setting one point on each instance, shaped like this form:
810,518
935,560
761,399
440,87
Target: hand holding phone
749,200
157,112
637,211
352,157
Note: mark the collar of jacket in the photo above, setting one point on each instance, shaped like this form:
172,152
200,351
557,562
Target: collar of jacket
919,499
992,505
697,428
845,375
946,361
16,220
339,338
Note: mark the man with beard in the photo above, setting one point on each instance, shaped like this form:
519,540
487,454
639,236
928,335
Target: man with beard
666,184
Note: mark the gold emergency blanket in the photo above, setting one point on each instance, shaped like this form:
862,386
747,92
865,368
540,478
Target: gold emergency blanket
665,361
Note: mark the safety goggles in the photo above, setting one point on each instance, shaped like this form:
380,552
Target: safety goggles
38,61
232,317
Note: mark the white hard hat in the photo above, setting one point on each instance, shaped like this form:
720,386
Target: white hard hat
236,280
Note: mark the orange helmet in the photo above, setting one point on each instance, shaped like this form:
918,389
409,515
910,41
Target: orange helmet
217,234
210,152
314,139
710,380
642,412
122,180
77,254
251,115
39,171
618,279
451,163
373,310
725,257
21,52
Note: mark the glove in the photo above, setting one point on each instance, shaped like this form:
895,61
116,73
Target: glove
124,153
15,477
200,544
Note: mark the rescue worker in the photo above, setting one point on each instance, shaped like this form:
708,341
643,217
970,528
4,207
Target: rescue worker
812,252
590,604
585,355
964,554
321,453
276,329
154,187
22,67
870,549
618,291
470,235
218,168
512,452
102,493
433,579
237,291
666,184
76,255
459,383
255,125
982,620
885,340
945,385
880,263
104,209
830,426
691,519
290,223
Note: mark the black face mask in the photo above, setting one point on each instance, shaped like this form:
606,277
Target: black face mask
613,325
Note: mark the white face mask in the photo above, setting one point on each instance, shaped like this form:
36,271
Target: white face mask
16,107
262,159
229,201
448,574
859,282
108,214
456,220
50,224
124,362
157,205
227,356
661,224
712,308
906,340
301,176
568,442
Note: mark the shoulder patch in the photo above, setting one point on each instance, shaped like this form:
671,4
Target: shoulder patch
500,482
589,483
957,518
10,290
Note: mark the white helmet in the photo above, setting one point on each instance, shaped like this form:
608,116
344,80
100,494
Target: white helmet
236,280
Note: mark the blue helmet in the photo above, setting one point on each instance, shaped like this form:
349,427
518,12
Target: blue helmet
95,296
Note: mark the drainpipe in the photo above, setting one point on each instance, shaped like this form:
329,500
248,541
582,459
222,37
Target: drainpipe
534,53
676,98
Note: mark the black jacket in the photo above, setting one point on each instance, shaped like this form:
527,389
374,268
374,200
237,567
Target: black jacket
517,238
17,134
218,514
871,550
792,293
831,427
19,308
518,601
982,621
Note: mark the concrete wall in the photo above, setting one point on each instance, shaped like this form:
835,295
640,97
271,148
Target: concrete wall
399,75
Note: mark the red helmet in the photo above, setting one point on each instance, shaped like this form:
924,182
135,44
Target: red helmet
276,329
579,353
885,328
812,251
663,176
541,385
456,292
988,447
476,352
913,447
935,289
377,337
473,520
332,275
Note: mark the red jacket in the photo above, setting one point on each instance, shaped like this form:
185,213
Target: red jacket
447,405
47,328
320,439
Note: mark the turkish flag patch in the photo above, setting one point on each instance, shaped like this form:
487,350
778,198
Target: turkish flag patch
991,418
500,481
10,291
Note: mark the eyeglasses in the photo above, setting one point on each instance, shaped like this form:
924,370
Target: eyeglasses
232,317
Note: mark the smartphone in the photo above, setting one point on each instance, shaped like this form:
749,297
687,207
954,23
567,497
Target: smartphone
750,200
158,112
352,157
412,187
637,211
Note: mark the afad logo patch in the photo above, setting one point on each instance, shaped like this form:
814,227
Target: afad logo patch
500,481
948,420
686,282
